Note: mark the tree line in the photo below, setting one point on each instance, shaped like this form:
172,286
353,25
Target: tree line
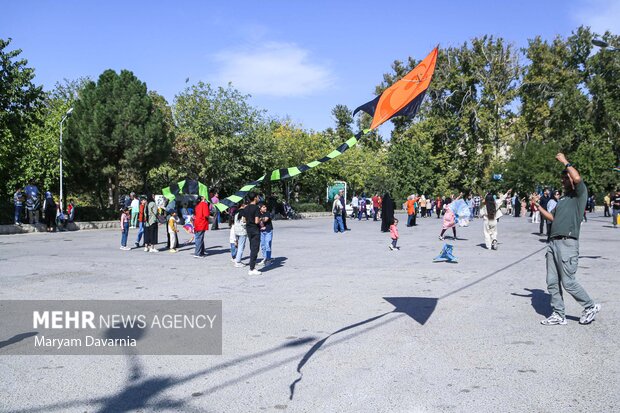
491,110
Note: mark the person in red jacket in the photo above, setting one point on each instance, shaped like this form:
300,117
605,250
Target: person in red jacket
201,224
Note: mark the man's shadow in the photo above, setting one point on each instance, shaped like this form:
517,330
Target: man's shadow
541,302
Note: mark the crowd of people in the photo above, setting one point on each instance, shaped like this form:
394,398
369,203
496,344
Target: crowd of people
29,209
249,224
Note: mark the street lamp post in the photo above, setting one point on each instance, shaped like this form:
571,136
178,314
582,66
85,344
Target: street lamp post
64,118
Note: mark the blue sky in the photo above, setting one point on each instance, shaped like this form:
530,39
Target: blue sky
296,58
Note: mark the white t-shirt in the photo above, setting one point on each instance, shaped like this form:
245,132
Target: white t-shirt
355,202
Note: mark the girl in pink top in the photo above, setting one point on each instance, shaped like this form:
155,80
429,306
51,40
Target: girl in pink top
394,235
125,218
449,219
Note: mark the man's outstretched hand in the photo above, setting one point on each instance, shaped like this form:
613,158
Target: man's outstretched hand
560,157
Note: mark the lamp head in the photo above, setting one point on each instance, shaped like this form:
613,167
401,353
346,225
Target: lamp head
600,43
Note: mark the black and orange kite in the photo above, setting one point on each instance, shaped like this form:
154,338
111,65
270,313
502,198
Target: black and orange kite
403,98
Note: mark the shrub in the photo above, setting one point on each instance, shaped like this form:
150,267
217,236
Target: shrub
308,207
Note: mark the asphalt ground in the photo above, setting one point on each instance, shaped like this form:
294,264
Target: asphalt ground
339,323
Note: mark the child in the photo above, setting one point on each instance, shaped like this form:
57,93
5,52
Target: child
449,219
189,227
394,235
266,234
124,228
172,231
233,239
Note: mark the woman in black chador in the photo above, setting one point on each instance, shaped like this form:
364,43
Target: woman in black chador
387,212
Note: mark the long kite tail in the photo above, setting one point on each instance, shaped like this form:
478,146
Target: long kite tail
284,173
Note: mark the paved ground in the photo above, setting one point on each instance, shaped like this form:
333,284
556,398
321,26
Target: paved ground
408,335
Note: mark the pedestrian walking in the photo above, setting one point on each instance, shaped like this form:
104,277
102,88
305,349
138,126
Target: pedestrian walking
449,219
491,213
135,210
216,212
251,214
125,218
343,203
201,224
141,222
18,201
563,248
394,235
615,208
544,200
151,226
337,211
266,234
355,205
387,212
375,206
241,234
606,204
173,237
49,208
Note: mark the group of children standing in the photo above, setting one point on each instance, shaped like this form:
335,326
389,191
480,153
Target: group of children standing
172,229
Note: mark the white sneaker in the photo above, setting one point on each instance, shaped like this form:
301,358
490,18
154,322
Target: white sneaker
589,314
391,247
239,265
153,250
554,319
254,272
146,249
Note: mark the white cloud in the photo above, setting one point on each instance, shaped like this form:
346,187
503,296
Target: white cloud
273,69
600,15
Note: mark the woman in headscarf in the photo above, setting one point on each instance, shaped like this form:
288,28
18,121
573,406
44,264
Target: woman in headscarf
491,213
49,207
387,213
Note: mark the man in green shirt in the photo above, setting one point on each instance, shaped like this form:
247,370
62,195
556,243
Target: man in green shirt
563,248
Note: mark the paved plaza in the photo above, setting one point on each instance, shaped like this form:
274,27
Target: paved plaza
338,323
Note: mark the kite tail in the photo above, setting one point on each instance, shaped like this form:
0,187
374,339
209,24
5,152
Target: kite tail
284,173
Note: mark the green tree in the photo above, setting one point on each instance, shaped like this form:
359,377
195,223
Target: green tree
116,128
19,100
221,139
40,161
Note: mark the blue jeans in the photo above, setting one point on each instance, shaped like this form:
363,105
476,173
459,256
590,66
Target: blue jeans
233,249
125,234
18,214
240,246
338,225
265,243
140,232
199,246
